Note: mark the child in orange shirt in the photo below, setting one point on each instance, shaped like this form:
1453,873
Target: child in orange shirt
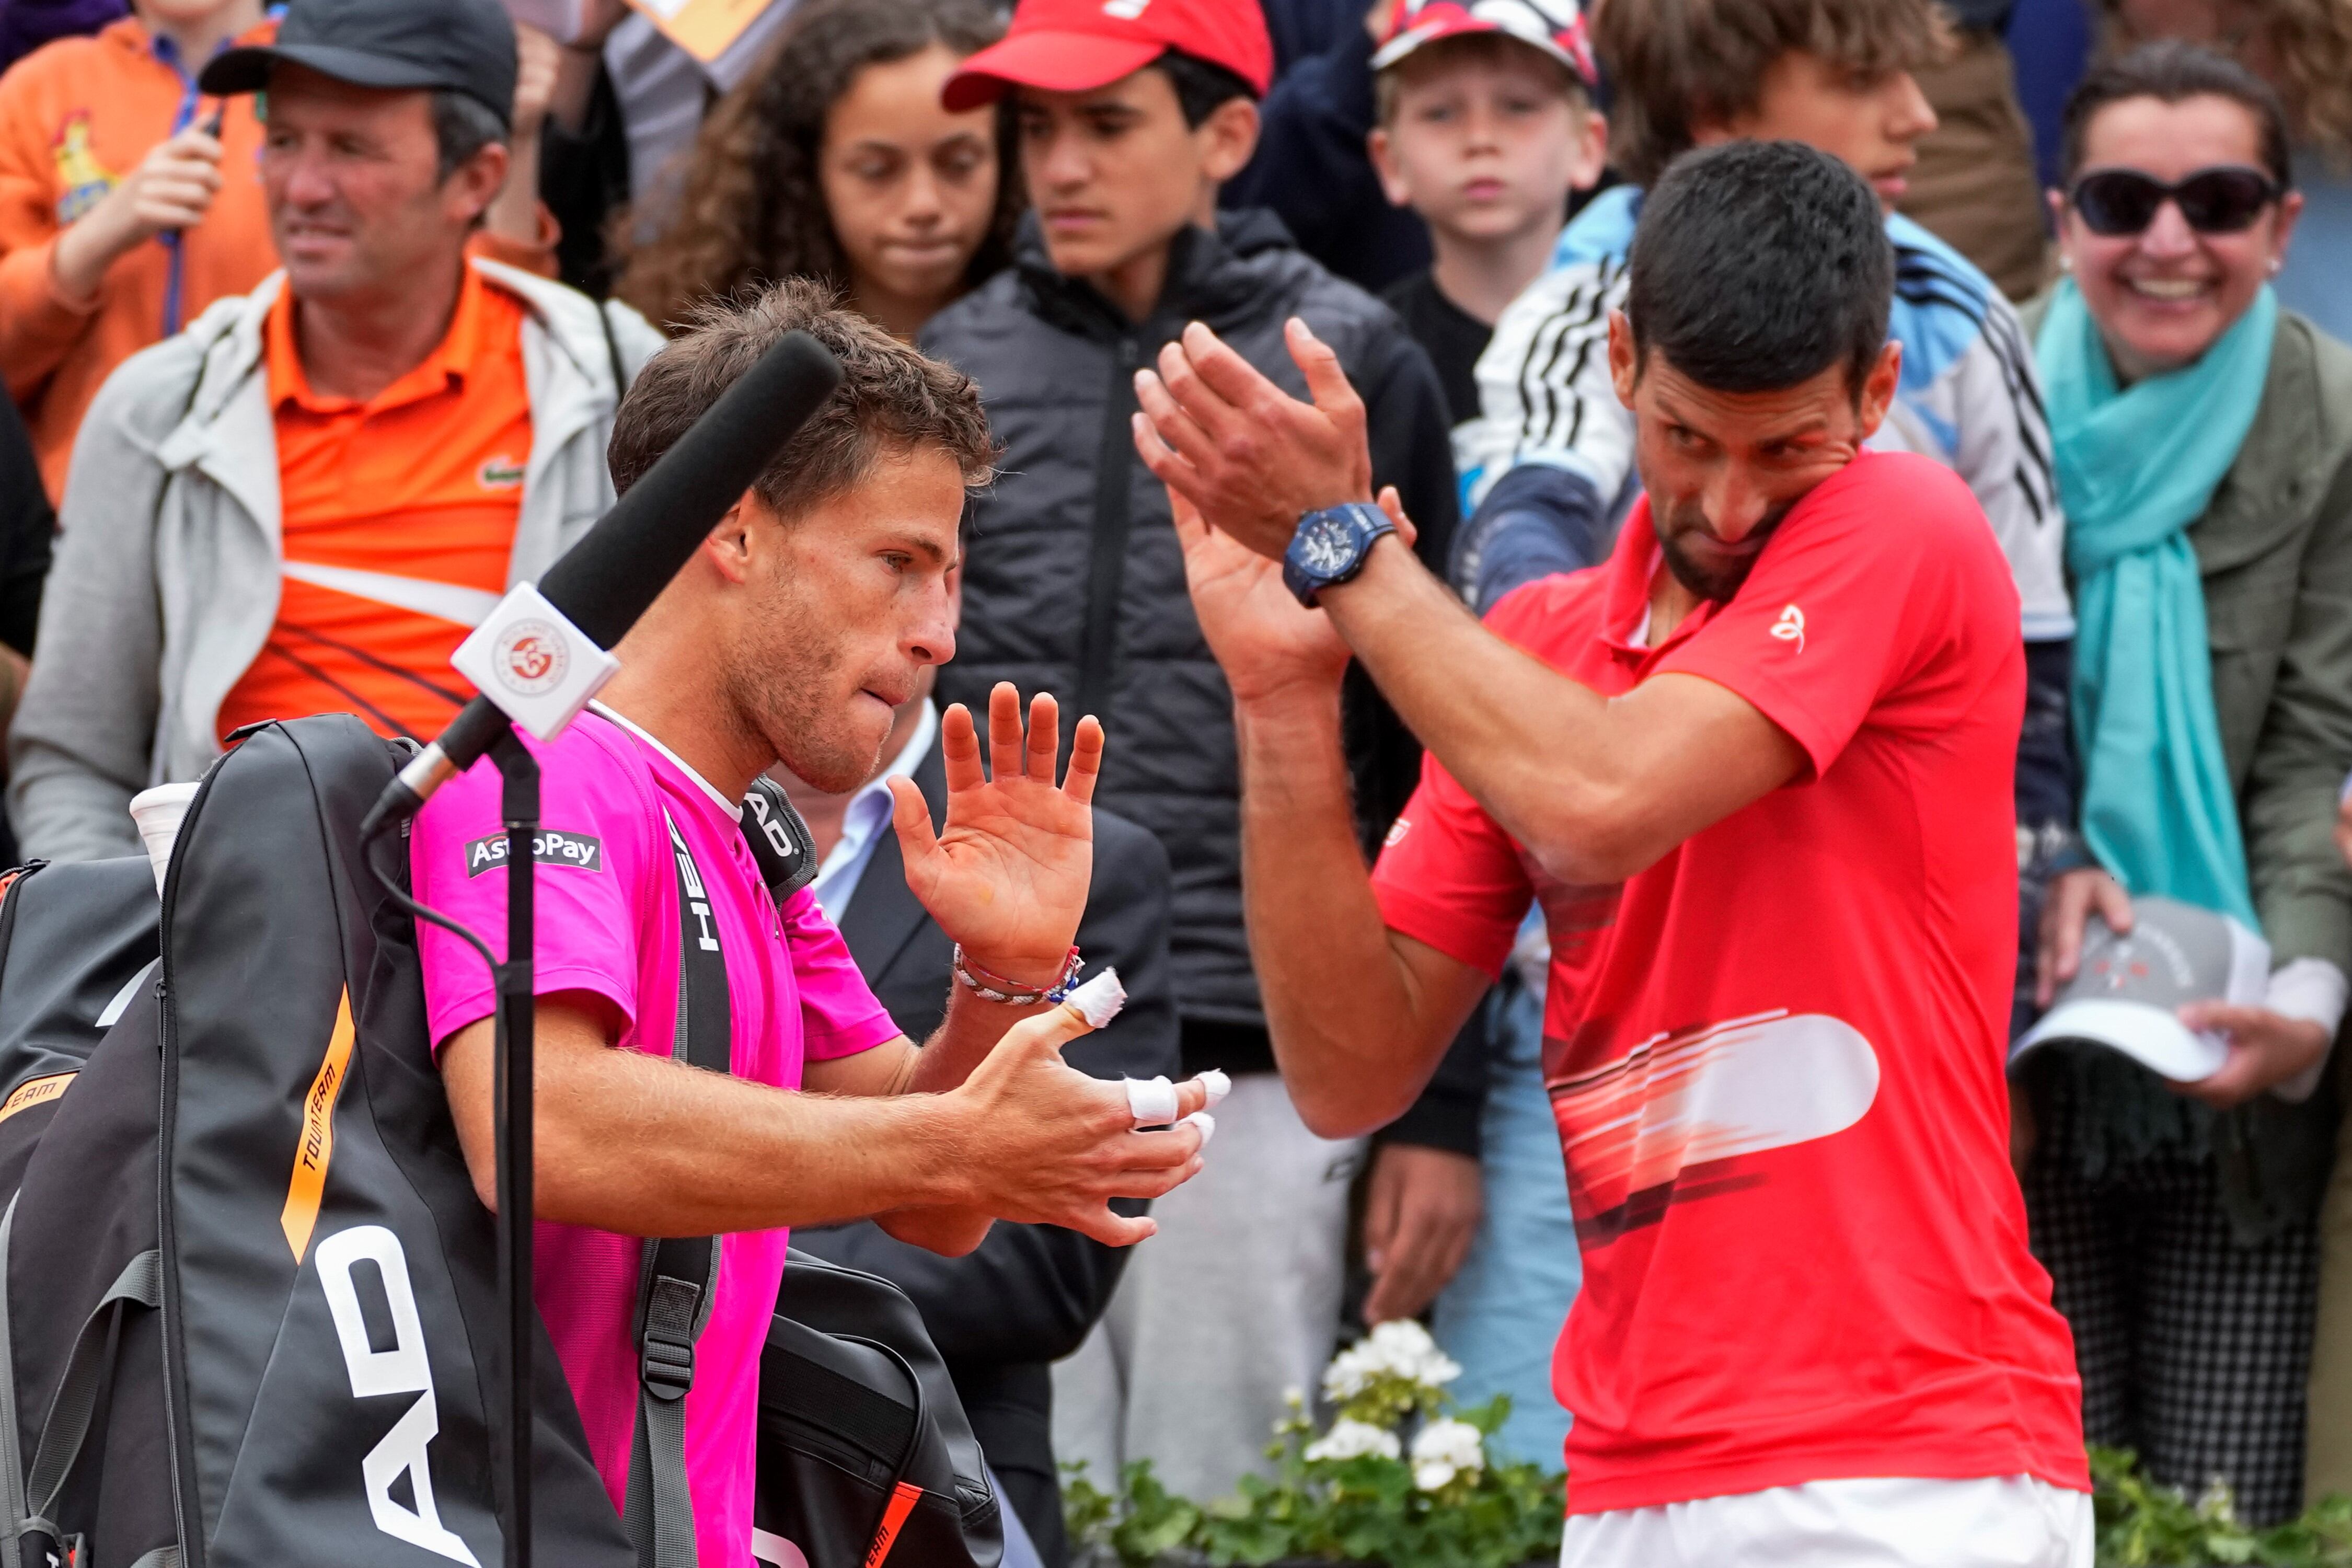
127,205
104,148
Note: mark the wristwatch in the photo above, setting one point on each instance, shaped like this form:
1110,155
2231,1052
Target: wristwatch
1330,547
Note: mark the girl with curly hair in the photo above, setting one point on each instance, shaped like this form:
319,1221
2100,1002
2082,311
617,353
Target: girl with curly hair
834,161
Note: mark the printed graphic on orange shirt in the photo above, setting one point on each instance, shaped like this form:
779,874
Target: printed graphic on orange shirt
499,473
1657,1125
83,180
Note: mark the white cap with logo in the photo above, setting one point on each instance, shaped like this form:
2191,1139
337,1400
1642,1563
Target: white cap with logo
2127,993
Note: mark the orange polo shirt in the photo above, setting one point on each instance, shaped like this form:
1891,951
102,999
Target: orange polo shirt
398,519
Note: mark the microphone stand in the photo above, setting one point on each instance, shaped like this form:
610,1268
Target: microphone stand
512,1111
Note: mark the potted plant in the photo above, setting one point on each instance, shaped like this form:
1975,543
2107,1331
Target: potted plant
1400,1479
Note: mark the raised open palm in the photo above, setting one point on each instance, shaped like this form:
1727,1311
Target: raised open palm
1007,877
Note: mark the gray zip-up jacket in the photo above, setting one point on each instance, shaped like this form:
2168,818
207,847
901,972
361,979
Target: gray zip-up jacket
170,559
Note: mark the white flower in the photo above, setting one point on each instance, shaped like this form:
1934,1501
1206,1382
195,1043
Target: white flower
1399,1348
1445,1449
1408,1351
1451,1442
1353,1439
1349,1375
1295,1397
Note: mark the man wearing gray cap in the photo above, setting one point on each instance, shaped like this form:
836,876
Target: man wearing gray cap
305,501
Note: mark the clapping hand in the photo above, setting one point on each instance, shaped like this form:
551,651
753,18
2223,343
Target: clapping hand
1007,879
1267,642
1251,458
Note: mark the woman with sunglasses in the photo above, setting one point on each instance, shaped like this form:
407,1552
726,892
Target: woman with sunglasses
2203,445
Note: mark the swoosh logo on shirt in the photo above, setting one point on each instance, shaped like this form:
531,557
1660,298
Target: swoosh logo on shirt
1698,1097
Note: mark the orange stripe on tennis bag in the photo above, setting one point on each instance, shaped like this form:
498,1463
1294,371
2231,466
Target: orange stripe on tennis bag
307,1185
276,1363
865,1452
903,1498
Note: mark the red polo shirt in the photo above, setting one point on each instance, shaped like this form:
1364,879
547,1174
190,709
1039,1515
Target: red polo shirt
1776,1056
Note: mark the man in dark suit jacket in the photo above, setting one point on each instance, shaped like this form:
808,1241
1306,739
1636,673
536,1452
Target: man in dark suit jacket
1030,1293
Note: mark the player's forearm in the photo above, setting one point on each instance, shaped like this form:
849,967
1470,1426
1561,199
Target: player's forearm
1349,1033
962,1041
1534,748
949,1232
645,1147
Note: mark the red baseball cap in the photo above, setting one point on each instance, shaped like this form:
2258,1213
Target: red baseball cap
1555,27
1077,46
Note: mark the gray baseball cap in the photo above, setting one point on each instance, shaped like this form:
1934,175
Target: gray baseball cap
2126,995
468,46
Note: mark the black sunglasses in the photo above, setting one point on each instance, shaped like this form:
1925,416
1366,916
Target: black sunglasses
2221,200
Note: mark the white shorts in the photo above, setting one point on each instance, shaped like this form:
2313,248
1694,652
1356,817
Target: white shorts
2011,1521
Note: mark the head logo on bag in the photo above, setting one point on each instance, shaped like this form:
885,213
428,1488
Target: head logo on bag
403,1369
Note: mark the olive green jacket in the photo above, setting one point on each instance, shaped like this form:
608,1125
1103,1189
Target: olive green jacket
2274,547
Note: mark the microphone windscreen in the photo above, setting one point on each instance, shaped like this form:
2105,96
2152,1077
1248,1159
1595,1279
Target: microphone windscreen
621,565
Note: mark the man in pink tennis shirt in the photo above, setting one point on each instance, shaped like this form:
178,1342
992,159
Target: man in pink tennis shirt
1756,768
792,634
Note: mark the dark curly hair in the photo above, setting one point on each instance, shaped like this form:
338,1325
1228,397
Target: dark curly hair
753,208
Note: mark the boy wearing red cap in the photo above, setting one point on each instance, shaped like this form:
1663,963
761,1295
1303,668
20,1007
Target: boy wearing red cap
1486,126
1130,114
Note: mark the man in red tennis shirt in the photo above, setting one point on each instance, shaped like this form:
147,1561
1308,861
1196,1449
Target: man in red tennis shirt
1756,768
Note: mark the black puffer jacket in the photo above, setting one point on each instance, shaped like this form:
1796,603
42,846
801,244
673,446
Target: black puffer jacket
1075,583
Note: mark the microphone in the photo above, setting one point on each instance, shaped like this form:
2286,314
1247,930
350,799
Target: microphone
599,586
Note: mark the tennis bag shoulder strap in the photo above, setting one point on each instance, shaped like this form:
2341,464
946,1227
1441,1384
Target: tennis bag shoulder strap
680,1274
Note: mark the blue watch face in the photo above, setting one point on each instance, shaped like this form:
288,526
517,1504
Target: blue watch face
1327,545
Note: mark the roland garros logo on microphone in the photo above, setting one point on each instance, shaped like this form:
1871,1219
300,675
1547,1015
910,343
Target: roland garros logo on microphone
529,657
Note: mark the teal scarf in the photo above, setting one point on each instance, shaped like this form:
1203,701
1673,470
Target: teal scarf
2136,466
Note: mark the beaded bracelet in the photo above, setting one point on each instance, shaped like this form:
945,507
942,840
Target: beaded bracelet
990,986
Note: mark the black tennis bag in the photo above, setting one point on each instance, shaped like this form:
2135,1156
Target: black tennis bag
249,1315
865,1451
77,942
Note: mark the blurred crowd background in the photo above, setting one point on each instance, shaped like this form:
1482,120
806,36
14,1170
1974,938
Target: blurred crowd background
300,381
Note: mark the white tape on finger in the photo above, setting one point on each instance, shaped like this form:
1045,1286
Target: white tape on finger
1217,1084
1099,999
1153,1100
1205,1122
